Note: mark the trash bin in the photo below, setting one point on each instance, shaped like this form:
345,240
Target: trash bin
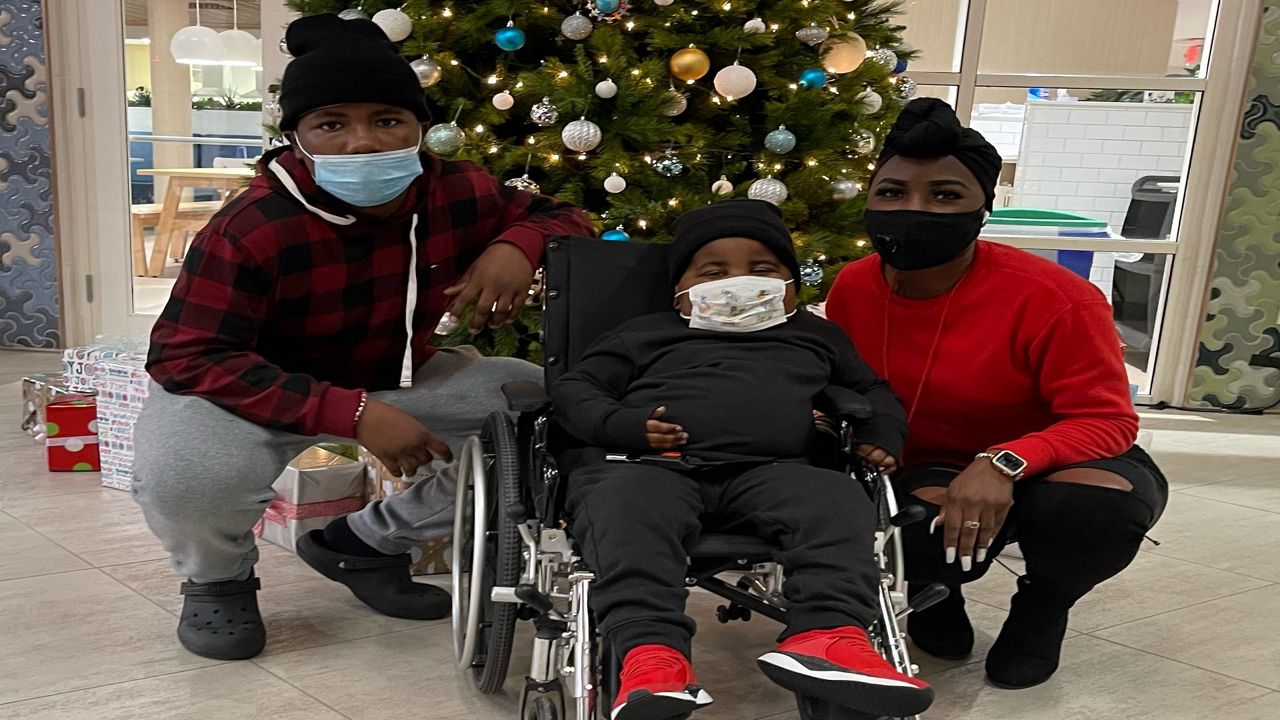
1150,215
1034,221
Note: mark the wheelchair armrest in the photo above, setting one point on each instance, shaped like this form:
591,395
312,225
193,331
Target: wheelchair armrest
525,396
844,403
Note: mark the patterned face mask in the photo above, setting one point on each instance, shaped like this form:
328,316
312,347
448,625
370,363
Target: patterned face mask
738,304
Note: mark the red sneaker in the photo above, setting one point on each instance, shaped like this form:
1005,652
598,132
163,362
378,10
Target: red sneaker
657,684
842,667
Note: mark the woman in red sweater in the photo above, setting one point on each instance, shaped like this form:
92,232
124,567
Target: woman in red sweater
1010,367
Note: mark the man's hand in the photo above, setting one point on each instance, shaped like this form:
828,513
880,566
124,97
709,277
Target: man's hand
980,494
397,439
875,455
497,282
663,436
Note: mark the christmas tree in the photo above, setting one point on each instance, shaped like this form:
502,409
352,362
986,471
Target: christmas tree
641,109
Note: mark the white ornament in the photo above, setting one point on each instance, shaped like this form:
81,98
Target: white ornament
606,88
871,101
663,3
615,183
722,186
768,189
846,55
353,14
679,103
843,189
581,135
735,81
812,35
504,100
427,70
754,26
577,26
394,23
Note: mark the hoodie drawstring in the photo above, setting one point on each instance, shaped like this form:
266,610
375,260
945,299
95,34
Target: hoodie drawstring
410,305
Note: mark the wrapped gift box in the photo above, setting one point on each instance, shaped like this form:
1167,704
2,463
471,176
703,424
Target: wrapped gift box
316,487
430,557
80,364
71,425
122,388
37,391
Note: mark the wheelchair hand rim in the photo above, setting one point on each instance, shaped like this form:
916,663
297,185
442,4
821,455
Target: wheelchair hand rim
466,620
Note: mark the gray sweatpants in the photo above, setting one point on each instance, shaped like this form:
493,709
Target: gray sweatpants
203,476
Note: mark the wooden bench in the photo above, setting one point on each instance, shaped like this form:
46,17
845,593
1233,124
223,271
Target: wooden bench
192,216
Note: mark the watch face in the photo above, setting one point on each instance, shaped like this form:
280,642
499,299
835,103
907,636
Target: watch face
1011,463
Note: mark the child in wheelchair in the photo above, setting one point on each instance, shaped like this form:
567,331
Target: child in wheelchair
712,406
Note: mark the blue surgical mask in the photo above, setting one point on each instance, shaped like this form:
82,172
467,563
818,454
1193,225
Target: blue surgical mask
369,179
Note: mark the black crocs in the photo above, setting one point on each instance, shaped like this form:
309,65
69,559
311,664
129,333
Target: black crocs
382,583
220,620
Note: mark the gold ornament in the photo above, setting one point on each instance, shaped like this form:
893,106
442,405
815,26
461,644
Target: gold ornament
690,64
846,54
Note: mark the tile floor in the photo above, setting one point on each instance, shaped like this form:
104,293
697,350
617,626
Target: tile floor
88,608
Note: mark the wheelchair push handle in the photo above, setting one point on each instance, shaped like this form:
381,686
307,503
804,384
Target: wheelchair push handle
909,515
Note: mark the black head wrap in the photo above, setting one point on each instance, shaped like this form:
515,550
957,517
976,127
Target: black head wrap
928,128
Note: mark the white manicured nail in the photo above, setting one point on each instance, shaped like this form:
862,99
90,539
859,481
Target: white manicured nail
933,525
951,555
966,563
982,555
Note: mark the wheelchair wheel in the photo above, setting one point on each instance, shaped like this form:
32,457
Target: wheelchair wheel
542,708
487,552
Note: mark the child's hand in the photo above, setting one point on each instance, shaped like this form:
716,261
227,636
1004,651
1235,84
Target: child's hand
663,436
881,459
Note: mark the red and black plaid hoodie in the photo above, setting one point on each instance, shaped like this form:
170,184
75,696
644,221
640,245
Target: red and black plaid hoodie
289,306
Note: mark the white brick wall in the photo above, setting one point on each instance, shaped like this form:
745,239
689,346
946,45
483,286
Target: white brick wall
1002,126
1085,157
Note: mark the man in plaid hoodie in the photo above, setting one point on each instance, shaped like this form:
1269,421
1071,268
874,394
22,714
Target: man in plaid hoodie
305,309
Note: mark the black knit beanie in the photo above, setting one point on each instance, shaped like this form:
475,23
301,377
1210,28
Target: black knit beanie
754,219
929,128
338,61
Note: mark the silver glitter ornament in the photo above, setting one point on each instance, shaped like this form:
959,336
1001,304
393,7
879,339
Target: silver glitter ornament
679,103
906,87
768,189
885,58
668,165
843,189
780,141
581,135
754,26
864,142
523,183
353,14
722,186
814,35
427,70
544,113
445,139
811,274
577,26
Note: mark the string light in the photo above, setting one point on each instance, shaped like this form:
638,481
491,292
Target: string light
531,140
493,80
563,74
871,166
446,13
604,59
862,243
519,84
716,99
554,157
453,62
774,26
673,202
811,162
635,71
777,166
644,224
479,128
493,149
582,156
631,25
727,6
793,86
648,159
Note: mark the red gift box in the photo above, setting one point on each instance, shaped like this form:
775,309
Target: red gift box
72,437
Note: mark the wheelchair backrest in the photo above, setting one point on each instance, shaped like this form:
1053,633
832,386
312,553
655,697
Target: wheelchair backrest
593,286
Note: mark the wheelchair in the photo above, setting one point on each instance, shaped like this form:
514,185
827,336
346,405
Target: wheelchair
514,561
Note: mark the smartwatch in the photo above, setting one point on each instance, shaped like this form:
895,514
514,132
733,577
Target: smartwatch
1007,462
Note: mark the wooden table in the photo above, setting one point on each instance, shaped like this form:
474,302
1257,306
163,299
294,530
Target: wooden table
225,180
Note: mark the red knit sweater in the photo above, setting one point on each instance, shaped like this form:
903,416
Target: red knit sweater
1027,359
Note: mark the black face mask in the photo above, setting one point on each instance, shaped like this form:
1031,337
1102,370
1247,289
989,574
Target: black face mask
916,240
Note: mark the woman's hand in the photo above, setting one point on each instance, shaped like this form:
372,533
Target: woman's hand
877,457
980,494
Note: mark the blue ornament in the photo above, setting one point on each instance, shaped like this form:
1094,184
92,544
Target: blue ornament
813,78
618,235
901,67
509,38
607,6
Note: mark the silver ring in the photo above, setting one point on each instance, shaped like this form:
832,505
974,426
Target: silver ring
972,524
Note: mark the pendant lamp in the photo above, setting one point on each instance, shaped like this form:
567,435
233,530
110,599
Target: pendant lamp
239,48
196,44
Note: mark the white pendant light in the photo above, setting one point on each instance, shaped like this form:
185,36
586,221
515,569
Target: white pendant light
196,44
239,48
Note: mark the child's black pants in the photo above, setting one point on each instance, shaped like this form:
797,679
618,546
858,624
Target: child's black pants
635,523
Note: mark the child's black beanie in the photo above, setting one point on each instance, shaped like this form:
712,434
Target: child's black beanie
754,219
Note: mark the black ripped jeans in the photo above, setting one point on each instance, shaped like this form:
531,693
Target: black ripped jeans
1073,536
